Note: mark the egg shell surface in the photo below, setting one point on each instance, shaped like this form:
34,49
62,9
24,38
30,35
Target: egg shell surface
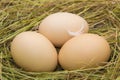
33,52
84,51
62,26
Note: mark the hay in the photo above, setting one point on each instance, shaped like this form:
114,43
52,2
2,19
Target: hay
21,15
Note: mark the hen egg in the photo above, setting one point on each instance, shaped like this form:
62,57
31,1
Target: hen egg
34,52
60,27
84,51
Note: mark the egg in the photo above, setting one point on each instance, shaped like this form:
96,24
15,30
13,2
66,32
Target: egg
62,26
33,52
84,51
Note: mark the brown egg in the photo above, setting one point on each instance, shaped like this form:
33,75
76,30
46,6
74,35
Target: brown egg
84,51
33,52
60,27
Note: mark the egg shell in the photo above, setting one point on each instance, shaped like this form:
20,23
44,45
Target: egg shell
33,52
84,51
62,26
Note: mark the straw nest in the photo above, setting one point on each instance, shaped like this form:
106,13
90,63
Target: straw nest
17,16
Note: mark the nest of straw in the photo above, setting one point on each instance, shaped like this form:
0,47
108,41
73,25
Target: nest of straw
17,16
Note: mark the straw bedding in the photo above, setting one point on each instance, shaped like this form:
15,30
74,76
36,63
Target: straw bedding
17,16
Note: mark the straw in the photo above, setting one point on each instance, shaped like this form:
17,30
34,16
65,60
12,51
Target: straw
17,16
